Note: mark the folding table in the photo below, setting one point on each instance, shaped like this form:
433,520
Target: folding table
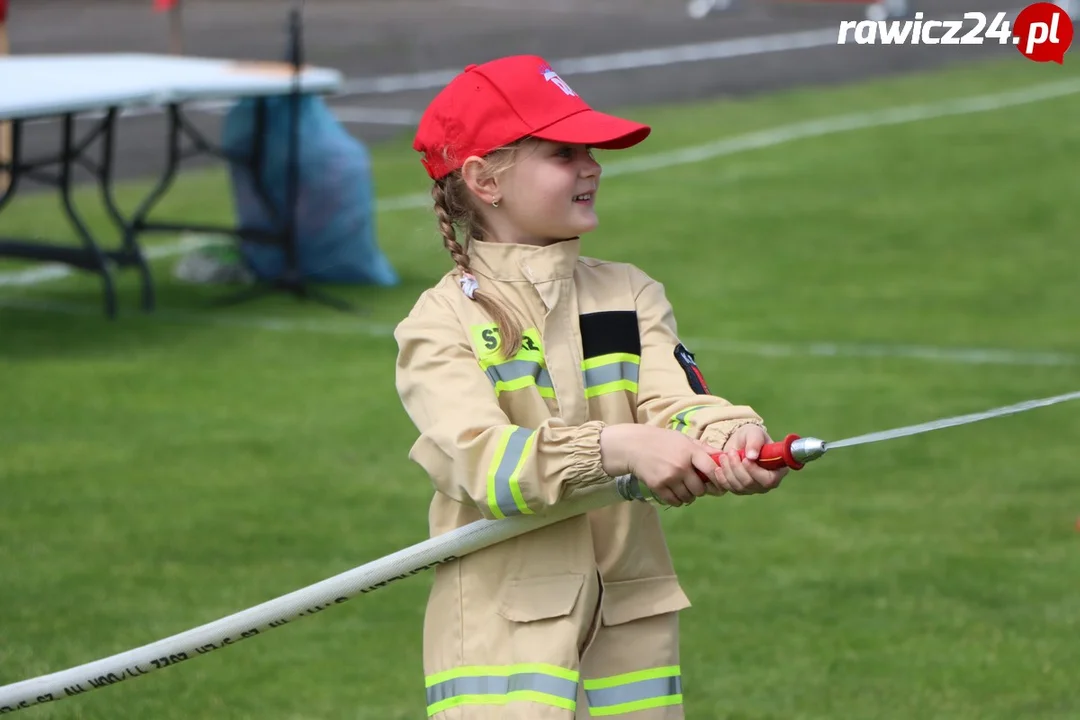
33,87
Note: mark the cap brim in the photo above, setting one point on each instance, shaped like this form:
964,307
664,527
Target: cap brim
597,129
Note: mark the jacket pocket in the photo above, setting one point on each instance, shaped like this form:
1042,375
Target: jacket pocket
539,598
629,600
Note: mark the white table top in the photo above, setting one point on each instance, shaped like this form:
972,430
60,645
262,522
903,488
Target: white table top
41,85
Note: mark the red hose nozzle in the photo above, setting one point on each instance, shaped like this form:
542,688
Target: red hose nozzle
792,452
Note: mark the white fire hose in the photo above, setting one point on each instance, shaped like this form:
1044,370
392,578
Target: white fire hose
306,601
792,452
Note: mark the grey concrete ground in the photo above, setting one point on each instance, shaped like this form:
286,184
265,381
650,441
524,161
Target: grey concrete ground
367,38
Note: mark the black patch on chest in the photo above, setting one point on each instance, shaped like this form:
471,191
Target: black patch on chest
612,331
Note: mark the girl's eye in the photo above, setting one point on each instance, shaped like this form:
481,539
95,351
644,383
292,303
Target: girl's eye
569,153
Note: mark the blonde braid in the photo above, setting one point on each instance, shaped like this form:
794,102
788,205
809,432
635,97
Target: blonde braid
448,209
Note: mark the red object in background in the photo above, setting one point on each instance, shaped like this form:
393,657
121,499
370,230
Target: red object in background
159,5
3,11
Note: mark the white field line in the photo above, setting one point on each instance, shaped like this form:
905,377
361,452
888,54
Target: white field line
385,331
56,271
846,123
696,153
629,59
626,60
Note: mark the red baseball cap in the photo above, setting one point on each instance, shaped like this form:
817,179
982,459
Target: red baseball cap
494,104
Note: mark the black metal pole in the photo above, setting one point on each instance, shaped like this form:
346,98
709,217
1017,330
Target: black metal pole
292,181
292,277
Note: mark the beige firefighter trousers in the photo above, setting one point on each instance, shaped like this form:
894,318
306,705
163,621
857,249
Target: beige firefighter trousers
629,669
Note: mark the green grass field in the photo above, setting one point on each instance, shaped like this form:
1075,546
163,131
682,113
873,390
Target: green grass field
163,471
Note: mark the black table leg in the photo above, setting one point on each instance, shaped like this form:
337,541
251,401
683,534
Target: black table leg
100,264
91,256
129,253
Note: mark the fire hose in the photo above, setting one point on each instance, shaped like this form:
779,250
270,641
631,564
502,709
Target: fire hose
792,452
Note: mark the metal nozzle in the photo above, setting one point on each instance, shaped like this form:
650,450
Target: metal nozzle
808,448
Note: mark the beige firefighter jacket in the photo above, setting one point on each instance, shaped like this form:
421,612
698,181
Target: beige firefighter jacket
502,437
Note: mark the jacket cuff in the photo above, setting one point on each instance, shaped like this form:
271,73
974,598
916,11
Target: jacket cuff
586,462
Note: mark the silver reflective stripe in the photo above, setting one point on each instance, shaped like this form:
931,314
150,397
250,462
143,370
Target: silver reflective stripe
515,448
604,374
516,369
501,685
634,692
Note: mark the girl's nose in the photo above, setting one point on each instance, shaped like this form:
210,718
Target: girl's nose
592,168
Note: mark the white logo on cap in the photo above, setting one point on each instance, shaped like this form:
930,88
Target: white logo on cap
551,76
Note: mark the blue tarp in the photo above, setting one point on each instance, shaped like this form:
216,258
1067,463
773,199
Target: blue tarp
336,208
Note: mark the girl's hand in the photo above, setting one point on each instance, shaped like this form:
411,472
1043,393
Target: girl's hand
667,461
746,477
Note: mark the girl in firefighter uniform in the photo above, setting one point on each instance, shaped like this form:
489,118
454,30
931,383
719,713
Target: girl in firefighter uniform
533,371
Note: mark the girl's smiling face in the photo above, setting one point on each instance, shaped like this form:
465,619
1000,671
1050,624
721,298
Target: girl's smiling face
547,194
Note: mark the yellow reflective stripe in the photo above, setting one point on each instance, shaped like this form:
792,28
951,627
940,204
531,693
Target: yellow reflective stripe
609,359
514,696
628,385
636,705
650,674
516,384
504,491
503,670
502,386
681,420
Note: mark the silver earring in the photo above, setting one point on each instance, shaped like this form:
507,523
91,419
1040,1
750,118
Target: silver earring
495,203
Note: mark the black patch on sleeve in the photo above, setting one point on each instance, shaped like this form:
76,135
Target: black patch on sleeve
693,374
614,331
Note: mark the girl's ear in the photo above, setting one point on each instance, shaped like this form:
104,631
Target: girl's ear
480,182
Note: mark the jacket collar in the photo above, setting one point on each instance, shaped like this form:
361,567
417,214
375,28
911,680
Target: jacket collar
530,263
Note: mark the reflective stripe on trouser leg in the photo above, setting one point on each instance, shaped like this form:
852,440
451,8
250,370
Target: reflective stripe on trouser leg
537,683
641,690
631,671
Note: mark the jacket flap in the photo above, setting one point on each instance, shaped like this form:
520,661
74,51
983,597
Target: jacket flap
635,599
538,598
